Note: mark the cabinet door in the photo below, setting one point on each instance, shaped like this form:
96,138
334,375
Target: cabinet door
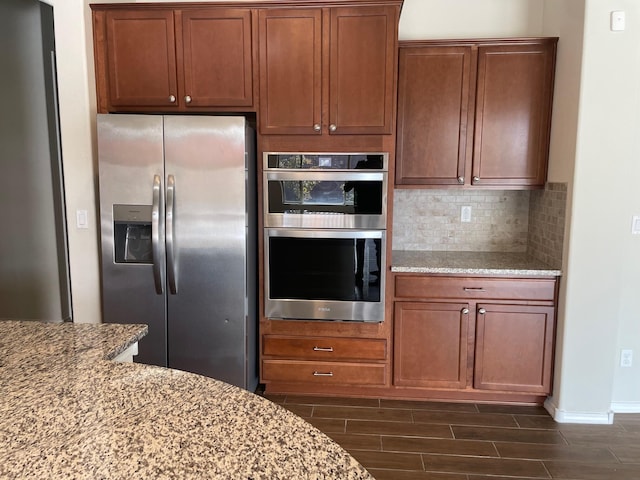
216,57
433,115
290,71
141,58
513,110
430,344
514,348
362,70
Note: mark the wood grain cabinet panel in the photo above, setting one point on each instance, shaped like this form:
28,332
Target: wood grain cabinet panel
430,344
328,70
514,348
169,59
290,44
497,337
216,57
434,95
140,58
475,113
324,348
329,373
424,286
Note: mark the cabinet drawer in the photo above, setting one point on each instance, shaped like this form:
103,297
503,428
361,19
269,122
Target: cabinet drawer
323,372
474,288
324,348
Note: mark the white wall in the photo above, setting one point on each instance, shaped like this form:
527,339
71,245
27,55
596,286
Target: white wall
604,258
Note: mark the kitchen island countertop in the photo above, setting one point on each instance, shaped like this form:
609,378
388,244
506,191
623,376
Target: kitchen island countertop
68,411
469,263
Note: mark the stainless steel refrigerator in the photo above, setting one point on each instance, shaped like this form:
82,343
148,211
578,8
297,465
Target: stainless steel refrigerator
178,229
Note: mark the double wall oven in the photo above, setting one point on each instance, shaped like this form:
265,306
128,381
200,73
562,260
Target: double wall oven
325,238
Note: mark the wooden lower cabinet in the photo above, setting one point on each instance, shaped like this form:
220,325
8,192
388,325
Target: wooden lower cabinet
446,338
477,334
324,372
430,341
320,361
514,348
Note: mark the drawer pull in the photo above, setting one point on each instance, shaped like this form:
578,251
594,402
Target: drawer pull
323,349
323,374
473,289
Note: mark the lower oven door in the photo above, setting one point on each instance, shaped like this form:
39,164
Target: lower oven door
325,274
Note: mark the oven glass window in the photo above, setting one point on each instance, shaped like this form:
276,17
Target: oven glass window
317,196
326,161
324,269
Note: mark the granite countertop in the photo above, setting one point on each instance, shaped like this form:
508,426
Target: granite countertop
470,263
68,412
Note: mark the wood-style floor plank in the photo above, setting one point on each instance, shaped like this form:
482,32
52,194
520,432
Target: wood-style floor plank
413,440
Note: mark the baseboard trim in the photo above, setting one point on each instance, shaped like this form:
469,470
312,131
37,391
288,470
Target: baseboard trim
563,416
625,407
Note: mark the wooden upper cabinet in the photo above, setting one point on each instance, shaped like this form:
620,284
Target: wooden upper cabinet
141,58
216,57
290,70
513,114
362,69
328,70
475,113
434,115
163,59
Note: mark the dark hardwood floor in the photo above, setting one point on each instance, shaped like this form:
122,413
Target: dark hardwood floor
403,440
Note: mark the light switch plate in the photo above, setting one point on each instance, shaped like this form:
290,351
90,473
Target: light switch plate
617,21
635,225
82,220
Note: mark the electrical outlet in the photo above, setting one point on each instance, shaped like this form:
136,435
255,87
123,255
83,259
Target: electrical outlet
465,214
626,358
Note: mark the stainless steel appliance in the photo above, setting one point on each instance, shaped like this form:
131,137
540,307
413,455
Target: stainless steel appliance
325,190
325,235
325,274
178,228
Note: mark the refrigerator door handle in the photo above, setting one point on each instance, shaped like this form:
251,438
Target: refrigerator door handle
155,234
170,235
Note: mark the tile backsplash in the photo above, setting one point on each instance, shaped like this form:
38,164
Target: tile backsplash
501,221
546,223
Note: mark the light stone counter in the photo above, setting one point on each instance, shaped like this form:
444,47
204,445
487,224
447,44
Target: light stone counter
68,412
469,263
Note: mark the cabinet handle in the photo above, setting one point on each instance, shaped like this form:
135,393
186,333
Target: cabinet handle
473,289
482,311
333,127
476,179
316,127
323,374
172,98
460,180
323,349
465,311
187,98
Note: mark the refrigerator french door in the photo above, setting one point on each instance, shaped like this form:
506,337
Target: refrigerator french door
177,207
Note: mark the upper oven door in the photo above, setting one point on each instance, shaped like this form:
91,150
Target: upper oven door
325,199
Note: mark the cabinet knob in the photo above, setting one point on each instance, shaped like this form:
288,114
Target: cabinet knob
465,311
460,180
482,311
476,179
316,127
187,98
333,127
172,98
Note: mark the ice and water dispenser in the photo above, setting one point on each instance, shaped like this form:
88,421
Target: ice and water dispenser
132,233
